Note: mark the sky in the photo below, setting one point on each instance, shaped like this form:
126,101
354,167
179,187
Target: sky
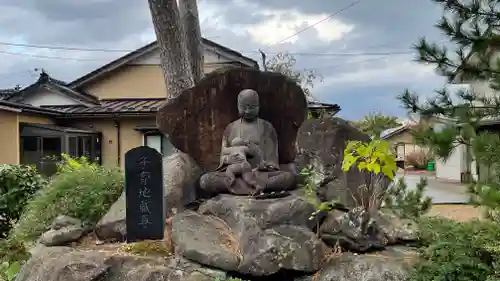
340,48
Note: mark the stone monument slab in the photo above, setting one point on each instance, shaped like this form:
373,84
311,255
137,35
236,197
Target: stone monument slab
145,216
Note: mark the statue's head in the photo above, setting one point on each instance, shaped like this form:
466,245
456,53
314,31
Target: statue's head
248,105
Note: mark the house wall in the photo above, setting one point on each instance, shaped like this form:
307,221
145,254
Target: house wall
35,118
134,81
143,78
47,97
9,137
452,169
129,138
405,138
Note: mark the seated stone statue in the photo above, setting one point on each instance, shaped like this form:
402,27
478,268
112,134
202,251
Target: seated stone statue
262,155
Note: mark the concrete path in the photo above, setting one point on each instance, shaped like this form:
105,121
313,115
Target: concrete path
440,192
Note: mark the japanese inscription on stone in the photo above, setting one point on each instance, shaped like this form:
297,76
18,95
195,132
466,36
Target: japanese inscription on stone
144,194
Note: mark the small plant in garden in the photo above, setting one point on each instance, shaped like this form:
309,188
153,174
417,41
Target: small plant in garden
408,203
310,188
377,159
18,183
79,189
8,271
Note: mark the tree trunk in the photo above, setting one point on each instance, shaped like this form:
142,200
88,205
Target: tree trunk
172,43
188,10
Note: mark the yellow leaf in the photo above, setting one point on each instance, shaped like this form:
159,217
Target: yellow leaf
362,166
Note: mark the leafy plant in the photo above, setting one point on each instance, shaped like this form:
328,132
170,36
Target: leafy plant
79,189
310,189
18,183
457,250
408,203
376,158
8,271
285,63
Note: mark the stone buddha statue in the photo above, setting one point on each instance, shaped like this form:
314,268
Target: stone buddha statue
261,139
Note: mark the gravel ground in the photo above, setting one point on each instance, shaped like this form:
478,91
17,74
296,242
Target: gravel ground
456,211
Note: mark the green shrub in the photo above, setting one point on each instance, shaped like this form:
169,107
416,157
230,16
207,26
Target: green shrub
13,250
79,189
18,183
408,203
457,250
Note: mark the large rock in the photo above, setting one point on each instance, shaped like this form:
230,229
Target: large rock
393,264
355,230
180,174
63,231
62,236
272,234
321,143
397,230
205,239
195,121
113,225
62,263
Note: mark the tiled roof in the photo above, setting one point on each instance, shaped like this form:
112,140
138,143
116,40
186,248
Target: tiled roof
151,46
55,84
393,131
139,106
113,106
29,108
7,93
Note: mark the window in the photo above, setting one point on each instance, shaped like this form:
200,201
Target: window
154,141
159,142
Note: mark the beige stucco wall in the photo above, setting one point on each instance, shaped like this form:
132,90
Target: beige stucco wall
129,138
404,137
133,81
37,119
9,138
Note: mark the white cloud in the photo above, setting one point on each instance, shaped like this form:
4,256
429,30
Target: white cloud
391,70
284,23
278,24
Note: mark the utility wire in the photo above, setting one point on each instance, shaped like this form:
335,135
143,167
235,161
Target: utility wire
48,57
65,48
131,50
360,54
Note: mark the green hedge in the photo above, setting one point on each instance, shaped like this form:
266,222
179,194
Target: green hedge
18,183
465,251
79,189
